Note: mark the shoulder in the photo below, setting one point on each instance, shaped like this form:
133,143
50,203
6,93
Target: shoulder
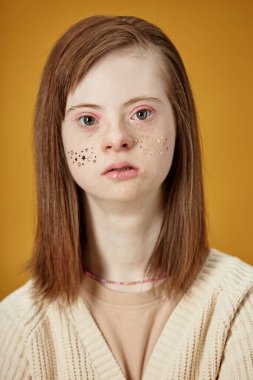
228,278
20,317
224,268
233,293
21,311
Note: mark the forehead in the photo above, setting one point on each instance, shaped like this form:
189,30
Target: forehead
121,75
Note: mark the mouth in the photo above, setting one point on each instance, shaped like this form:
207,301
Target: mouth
120,171
119,166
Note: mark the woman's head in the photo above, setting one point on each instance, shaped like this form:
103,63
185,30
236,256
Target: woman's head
89,46
120,115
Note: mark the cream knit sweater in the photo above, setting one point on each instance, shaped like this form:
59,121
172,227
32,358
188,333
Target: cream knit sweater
208,336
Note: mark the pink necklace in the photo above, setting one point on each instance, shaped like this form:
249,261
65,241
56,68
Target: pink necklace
104,281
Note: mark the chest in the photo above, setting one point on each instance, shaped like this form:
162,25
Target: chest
188,346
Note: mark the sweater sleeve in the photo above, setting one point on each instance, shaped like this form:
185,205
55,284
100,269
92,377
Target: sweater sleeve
238,353
13,363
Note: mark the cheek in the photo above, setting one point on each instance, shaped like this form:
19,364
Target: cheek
156,146
79,151
81,157
82,161
158,152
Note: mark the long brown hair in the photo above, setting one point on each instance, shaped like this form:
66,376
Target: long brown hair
57,264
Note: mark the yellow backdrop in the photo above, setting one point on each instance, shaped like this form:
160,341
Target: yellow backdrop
215,41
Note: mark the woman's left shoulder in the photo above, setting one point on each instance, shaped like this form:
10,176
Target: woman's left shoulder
234,298
230,276
231,266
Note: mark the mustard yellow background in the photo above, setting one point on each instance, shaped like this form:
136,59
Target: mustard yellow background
215,39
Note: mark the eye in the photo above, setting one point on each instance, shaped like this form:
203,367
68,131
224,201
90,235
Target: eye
142,114
87,120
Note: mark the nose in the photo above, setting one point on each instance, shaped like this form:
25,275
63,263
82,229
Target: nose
118,139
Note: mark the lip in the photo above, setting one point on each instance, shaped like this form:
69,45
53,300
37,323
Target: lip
119,165
118,174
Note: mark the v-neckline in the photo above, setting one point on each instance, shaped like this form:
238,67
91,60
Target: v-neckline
103,360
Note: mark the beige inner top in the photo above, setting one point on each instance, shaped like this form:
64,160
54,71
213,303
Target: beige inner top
131,323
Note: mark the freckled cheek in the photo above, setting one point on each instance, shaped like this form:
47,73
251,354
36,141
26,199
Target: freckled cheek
79,152
82,161
155,147
158,153
82,157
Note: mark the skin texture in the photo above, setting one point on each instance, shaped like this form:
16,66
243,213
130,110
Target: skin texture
150,145
123,216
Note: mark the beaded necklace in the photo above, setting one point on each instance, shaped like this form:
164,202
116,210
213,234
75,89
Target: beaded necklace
104,281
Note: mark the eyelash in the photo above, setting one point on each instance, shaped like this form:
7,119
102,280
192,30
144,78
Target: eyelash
150,112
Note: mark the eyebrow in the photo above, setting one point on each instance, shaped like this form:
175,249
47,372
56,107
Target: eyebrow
126,104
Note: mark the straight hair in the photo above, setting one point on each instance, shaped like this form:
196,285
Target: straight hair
58,261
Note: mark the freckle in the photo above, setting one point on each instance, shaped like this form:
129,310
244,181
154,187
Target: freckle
86,150
79,164
73,162
81,151
75,159
75,152
83,158
82,164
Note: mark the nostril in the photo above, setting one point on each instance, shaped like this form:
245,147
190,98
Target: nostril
118,144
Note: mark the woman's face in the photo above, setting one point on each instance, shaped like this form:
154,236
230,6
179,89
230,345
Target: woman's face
119,128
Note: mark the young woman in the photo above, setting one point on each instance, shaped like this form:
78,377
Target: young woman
124,285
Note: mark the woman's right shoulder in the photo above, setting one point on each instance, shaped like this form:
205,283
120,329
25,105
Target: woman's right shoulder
22,317
21,309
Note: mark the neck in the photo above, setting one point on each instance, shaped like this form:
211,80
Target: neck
121,237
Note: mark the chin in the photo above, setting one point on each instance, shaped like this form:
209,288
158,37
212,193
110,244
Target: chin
122,195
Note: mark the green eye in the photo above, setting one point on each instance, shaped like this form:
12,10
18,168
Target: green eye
142,114
87,120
